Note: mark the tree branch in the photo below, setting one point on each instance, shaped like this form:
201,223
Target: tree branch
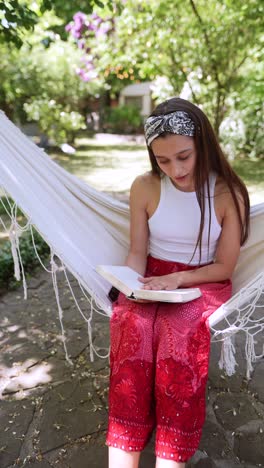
171,52
207,41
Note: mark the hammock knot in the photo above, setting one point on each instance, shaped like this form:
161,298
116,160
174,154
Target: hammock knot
54,265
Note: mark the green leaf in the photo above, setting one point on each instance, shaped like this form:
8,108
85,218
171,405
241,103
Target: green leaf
46,5
99,3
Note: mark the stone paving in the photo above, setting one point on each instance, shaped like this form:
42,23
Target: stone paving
55,415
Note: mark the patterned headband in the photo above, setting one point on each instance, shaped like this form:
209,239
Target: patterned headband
177,122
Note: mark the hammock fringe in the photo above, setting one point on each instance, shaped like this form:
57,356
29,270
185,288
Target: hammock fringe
245,301
14,233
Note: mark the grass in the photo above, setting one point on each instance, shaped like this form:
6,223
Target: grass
107,167
113,167
252,173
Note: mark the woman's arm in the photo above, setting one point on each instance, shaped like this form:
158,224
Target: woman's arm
227,251
225,259
139,232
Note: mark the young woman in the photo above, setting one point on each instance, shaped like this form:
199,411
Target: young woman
189,217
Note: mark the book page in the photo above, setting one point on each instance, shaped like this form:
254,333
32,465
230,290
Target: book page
125,279
175,295
122,277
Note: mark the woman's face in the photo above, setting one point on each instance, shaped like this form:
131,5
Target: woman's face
176,157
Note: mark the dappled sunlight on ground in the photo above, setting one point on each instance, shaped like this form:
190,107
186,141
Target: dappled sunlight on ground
23,376
50,409
20,368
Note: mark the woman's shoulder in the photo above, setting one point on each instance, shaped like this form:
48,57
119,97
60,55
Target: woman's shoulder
222,189
223,196
145,190
145,182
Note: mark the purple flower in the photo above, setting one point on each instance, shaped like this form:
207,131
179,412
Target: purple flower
68,27
81,44
91,75
87,59
80,71
104,28
76,34
79,24
86,75
94,16
90,66
79,17
91,27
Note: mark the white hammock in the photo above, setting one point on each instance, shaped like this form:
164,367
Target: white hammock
84,227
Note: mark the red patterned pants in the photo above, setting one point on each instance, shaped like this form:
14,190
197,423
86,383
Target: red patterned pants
159,368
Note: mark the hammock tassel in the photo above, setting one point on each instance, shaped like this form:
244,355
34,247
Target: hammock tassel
14,233
14,239
89,327
250,353
54,269
227,360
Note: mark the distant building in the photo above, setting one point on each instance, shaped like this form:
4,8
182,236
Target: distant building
138,94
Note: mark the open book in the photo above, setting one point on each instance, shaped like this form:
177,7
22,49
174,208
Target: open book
125,280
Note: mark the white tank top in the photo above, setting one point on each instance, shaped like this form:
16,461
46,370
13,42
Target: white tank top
174,226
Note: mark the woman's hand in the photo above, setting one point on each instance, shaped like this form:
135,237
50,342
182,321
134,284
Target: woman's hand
166,282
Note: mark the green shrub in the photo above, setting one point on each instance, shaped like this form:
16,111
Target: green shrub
29,258
55,120
123,119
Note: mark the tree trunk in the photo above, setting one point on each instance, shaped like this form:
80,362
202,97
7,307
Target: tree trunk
220,110
104,102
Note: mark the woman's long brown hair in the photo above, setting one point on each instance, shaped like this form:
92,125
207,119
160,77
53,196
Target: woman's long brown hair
210,157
